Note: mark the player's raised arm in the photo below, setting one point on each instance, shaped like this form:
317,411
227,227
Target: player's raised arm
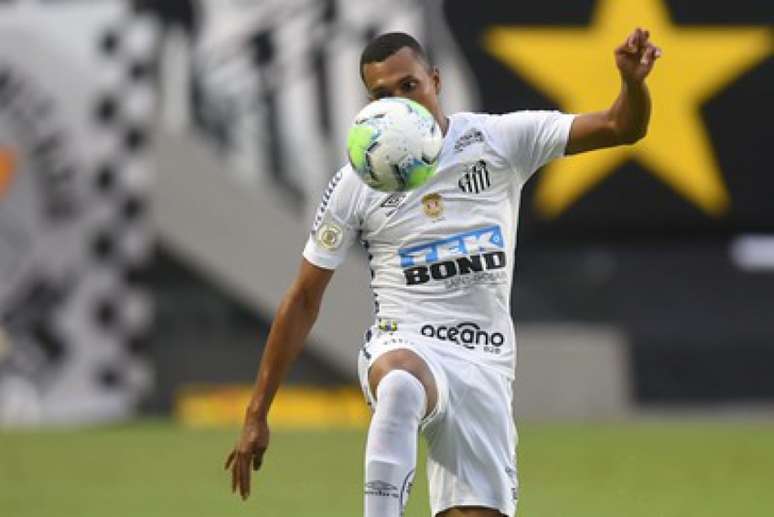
292,323
626,121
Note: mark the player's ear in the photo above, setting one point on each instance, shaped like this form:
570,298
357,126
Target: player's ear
436,76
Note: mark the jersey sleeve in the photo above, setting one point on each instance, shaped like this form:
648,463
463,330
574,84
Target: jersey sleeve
530,139
337,222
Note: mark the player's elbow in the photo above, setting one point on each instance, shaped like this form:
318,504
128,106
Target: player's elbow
631,136
631,133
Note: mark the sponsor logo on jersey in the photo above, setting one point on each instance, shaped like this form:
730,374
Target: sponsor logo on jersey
432,205
477,254
467,335
471,136
499,276
476,178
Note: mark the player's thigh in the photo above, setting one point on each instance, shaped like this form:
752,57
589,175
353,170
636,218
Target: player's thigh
470,511
404,359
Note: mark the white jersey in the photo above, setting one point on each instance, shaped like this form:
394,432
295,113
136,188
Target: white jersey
442,255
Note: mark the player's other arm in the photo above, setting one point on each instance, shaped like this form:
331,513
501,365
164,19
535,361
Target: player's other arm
294,319
626,121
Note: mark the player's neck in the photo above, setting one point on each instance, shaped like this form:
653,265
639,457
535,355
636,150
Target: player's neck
443,123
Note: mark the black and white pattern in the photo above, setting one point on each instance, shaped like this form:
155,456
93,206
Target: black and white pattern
123,113
476,179
75,315
326,198
268,75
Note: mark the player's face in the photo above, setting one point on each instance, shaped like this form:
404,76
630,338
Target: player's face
404,75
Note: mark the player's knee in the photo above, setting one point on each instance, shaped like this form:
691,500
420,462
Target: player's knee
402,394
408,362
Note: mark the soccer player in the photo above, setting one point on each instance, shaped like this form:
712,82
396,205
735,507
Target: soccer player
440,355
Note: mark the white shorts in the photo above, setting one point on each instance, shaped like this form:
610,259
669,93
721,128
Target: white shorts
471,435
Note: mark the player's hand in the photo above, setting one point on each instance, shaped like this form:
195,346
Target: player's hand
247,454
635,58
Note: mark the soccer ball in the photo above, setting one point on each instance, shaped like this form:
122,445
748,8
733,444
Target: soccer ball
394,144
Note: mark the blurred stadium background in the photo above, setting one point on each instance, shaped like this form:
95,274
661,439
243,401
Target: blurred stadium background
160,162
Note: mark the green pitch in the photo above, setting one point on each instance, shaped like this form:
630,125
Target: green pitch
161,470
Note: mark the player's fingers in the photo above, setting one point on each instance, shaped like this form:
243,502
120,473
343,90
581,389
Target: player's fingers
257,460
630,46
234,476
641,37
648,56
636,37
244,477
229,460
239,476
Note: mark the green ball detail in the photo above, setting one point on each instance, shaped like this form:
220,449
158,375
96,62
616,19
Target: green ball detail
419,175
419,108
358,141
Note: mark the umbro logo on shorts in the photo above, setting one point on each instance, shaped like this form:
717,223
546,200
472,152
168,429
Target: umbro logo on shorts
476,179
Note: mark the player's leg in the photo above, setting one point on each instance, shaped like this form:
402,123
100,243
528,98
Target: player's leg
471,451
404,359
405,392
470,511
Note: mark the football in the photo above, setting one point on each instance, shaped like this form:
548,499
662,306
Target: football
394,144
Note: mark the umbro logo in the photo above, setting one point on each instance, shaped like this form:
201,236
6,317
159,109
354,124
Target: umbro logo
393,200
476,179
381,489
380,485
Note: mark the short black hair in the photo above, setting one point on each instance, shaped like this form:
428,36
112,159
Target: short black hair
387,44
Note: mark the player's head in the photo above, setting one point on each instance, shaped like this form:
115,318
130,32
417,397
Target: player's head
395,65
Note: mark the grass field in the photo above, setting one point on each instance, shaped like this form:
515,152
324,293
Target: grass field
157,469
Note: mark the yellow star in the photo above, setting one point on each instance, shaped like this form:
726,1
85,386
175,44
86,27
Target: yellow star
575,67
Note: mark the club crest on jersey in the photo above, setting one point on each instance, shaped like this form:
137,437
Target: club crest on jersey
476,179
432,205
476,255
